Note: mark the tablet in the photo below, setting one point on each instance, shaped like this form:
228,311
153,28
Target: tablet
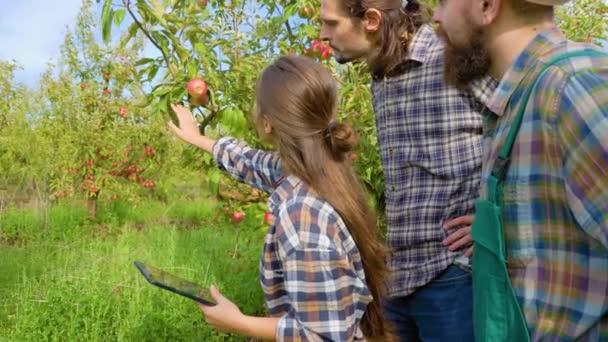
175,284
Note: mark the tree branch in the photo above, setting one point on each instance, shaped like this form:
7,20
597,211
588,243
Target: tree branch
141,27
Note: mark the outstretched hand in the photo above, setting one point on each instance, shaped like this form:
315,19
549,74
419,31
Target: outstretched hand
188,127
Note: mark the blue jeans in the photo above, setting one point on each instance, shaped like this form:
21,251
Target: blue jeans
439,311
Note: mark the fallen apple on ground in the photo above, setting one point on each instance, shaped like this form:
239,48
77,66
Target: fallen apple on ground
237,216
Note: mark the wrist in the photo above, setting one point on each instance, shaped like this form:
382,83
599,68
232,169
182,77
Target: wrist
245,326
203,142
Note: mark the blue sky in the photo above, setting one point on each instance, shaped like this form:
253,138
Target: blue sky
31,32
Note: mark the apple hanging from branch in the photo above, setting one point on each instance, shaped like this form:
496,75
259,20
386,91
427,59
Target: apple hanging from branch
198,91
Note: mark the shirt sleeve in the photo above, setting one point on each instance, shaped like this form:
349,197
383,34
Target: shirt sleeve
326,297
582,130
261,169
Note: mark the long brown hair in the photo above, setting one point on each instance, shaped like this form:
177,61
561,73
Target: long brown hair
299,98
398,26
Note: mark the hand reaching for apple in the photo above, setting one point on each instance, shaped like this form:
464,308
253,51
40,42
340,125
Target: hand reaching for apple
188,129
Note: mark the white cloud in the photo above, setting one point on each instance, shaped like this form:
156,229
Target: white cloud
31,32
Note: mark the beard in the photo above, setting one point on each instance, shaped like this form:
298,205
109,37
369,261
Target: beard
468,62
342,59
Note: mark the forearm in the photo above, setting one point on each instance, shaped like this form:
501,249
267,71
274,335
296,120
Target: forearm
202,142
263,328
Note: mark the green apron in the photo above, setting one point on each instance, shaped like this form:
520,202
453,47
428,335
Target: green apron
497,315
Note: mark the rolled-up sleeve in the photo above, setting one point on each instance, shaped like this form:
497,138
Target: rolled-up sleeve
261,169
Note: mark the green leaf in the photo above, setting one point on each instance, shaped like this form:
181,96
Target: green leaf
153,71
144,61
161,91
119,15
106,20
214,180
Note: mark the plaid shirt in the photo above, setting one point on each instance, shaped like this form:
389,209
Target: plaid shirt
311,270
430,138
555,195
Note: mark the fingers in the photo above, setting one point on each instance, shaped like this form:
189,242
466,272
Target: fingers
458,234
458,239
458,244
171,126
203,308
215,294
469,252
181,111
459,221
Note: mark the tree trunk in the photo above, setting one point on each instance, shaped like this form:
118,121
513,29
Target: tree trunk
92,205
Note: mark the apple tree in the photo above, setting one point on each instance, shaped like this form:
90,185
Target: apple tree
226,43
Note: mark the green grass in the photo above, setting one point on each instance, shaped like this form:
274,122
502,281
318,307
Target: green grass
63,278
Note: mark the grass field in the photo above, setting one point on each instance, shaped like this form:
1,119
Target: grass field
65,278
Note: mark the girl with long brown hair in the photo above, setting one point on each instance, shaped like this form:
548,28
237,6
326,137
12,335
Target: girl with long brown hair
322,268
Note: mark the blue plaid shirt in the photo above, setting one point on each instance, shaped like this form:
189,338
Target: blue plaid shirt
311,270
430,138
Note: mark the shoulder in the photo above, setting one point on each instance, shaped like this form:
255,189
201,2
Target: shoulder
305,221
576,82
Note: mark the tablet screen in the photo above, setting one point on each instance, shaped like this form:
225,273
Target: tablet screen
174,283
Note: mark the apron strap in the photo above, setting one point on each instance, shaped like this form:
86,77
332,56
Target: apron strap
501,164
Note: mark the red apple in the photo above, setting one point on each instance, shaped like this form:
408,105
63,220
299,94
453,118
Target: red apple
237,216
315,46
268,218
197,88
202,3
326,53
122,111
199,101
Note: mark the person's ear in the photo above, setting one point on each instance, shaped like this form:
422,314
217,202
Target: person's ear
489,10
372,20
267,126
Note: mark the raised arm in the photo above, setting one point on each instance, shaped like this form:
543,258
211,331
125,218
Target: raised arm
261,169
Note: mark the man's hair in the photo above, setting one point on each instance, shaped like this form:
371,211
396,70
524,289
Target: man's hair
398,26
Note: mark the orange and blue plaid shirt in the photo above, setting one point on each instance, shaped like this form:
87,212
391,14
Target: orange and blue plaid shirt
555,195
311,270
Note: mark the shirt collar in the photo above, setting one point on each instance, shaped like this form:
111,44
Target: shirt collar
417,51
541,45
419,46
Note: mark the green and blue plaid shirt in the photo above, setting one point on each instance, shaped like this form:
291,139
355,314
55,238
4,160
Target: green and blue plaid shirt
555,195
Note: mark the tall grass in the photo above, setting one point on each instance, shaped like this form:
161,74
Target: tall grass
63,278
